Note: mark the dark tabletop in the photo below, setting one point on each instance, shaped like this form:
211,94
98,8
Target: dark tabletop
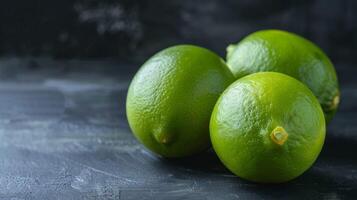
64,135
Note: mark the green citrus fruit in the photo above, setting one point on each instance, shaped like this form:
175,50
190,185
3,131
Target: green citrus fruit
171,98
284,52
267,127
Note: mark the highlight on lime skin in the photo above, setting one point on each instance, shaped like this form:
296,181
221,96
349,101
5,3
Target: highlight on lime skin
279,136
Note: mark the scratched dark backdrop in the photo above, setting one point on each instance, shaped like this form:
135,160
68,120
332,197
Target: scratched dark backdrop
132,30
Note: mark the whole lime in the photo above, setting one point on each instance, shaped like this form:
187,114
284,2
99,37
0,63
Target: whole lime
171,98
267,127
288,53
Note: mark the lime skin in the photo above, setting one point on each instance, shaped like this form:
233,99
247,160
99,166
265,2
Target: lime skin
267,127
288,53
171,98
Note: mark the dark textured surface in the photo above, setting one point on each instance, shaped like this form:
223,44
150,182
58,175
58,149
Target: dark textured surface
64,135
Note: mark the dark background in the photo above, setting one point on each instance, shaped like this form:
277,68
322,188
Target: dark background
132,30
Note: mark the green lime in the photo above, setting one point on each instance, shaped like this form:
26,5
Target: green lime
171,98
267,127
284,52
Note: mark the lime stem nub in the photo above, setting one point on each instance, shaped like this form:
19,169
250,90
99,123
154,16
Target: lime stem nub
279,135
335,102
162,137
230,50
